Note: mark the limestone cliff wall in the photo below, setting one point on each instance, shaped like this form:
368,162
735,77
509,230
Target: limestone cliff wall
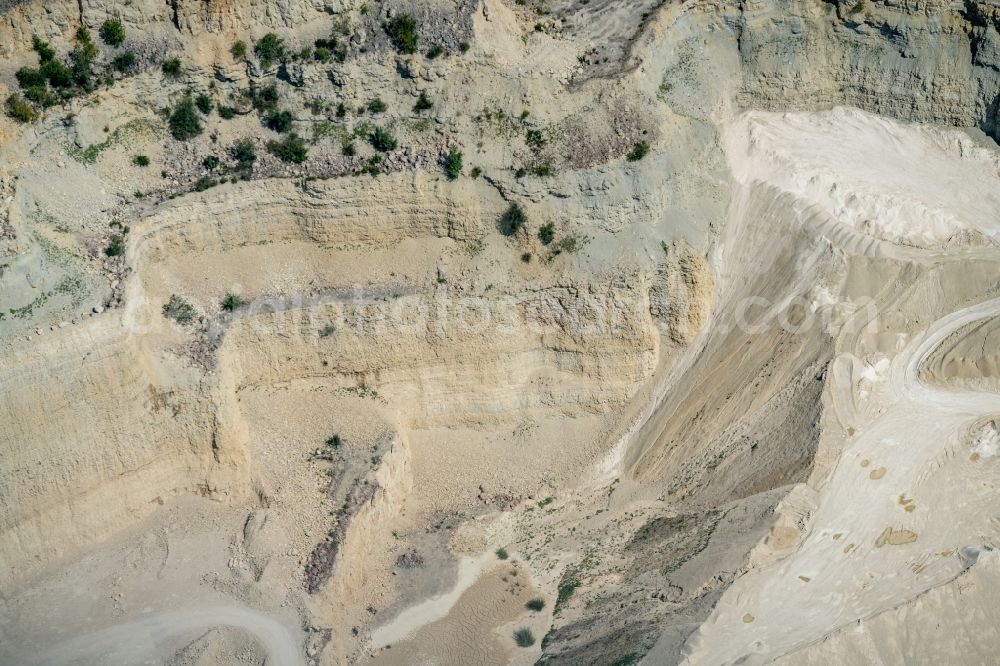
96,433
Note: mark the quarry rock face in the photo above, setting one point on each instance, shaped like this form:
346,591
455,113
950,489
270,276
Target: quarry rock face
498,332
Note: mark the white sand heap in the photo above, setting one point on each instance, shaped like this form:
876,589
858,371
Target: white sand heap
911,184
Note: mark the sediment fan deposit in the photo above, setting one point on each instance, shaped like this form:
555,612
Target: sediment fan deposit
499,332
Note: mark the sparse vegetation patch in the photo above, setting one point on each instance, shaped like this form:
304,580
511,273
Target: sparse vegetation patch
179,310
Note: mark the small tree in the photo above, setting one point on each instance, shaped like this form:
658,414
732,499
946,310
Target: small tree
232,302
42,48
123,62
171,66
116,247
184,123
58,74
382,140
423,103
204,103
113,32
28,77
243,152
524,637
291,149
638,152
83,58
280,121
453,164
546,233
512,220
402,31
270,49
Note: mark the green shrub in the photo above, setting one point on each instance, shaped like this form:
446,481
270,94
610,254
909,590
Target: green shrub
266,98
565,591
382,140
291,149
325,48
82,36
210,162
140,160
116,247
536,604
58,74
227,112
124,61
435,51
512,220
638,152
464,47
374,168
239,49
526,257
546,233
113,32
40,95
30,78
402,31
280,122
347,148
570,244
171,67
243,152
19,110
535,138
204,183
453,164
204,103
184,123
83,58
542,169
476,172
178,309
423,103
502,553
42,48
333,441
270,49
341,110
376,106
524,638
232,302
